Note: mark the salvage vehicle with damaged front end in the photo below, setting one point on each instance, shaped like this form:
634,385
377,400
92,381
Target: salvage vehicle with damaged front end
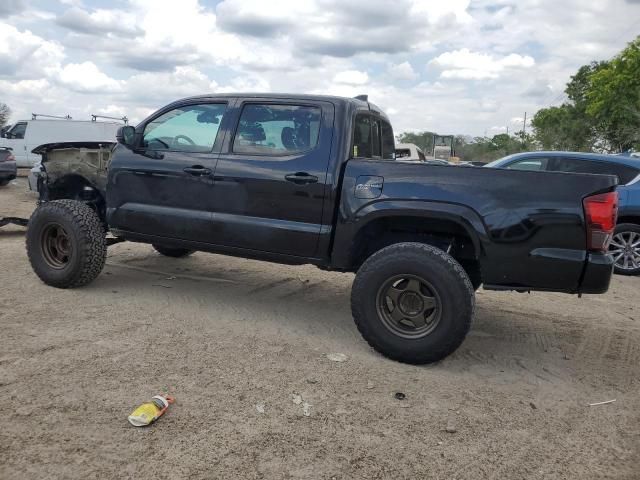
300,179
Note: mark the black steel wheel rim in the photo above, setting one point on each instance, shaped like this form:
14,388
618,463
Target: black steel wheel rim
409,306
56,246
625,248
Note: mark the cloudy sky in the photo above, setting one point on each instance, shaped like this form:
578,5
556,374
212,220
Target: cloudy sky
454,66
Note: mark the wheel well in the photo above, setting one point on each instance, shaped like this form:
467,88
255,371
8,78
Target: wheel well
629,219
444,234
75,187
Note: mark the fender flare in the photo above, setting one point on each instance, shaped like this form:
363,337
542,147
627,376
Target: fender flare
467,218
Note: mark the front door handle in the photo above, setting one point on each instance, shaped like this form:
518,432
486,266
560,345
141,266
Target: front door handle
301,178
197,171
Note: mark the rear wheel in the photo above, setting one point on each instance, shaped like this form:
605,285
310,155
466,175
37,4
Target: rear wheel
66,243
172,252
412,302
625,248
4,182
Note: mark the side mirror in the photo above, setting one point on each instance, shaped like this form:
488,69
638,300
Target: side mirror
126,135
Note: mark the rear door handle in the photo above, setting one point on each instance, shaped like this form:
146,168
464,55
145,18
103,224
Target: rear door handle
301,178
197,171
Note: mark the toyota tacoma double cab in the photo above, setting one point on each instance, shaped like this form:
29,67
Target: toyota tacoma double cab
301,179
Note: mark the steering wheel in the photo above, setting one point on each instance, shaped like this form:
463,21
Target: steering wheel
182,137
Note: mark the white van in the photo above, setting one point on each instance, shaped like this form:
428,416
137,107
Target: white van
25,135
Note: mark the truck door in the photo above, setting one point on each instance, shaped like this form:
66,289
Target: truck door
271,175
163,186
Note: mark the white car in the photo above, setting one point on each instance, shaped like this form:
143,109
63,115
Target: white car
409,152
25,135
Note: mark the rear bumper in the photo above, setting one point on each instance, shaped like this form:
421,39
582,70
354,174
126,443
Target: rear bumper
597,273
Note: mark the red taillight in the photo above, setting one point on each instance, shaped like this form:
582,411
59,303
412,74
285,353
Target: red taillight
601,213
11,158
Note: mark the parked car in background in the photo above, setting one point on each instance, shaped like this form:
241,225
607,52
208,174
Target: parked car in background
625,246
409,152
8,169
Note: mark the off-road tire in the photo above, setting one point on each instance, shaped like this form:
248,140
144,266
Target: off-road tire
172,252
86,236
450,282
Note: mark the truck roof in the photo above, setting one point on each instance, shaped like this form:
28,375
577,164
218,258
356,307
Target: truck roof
356,102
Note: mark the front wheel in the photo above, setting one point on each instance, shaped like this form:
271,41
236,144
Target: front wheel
66,243
412,302
625,248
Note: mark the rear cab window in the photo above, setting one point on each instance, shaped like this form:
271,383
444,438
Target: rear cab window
277,129
373,138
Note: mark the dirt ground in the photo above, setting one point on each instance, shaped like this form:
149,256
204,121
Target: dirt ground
224,335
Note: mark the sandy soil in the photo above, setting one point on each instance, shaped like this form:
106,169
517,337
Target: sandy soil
225,334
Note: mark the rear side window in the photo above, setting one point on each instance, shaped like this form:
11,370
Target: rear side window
191,128
18,131
277,130
532,164
576,165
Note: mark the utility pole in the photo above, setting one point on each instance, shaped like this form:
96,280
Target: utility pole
524,125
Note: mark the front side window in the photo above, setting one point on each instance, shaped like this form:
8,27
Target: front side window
18,131
277,129
191,128
531,164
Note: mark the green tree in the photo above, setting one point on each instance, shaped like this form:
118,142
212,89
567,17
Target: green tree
569,127
613,100
424,140
5,113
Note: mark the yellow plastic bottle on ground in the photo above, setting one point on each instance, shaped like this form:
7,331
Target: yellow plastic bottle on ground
149,412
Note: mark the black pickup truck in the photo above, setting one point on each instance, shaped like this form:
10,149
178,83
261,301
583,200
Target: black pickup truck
302,179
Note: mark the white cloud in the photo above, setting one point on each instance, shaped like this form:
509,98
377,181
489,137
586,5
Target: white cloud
100,22
465,64
25,55
156,88
402,71
491,60
86,77
351,77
